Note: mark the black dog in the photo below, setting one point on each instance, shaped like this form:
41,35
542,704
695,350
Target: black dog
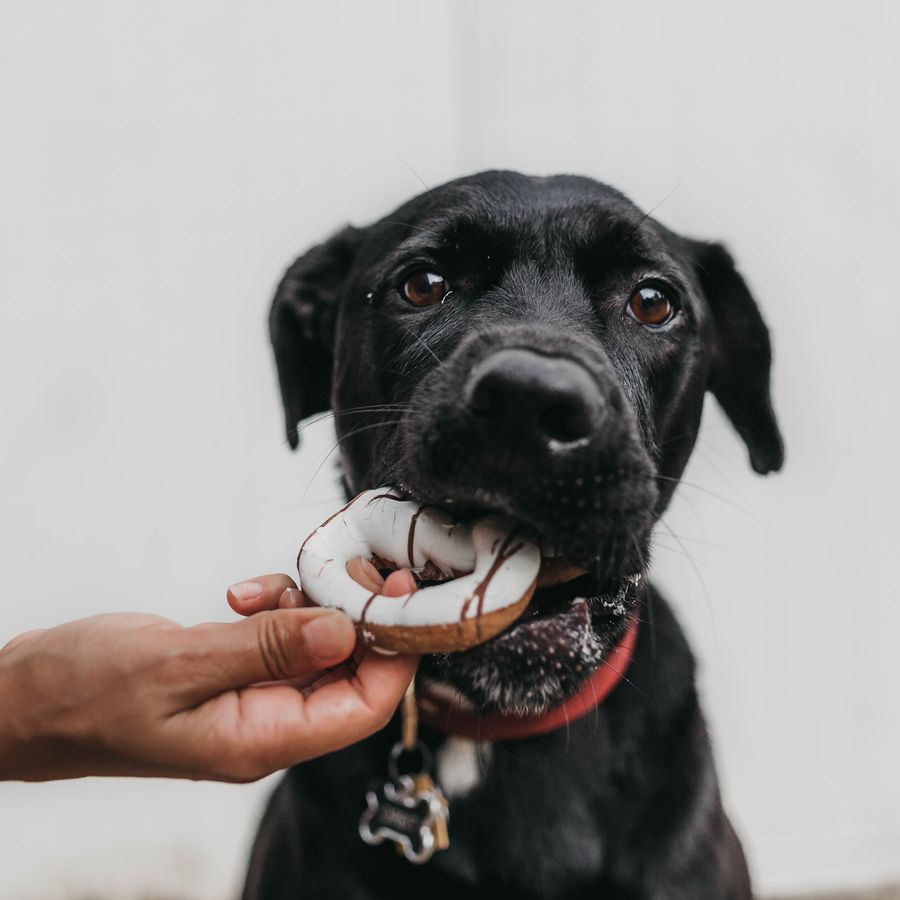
540,347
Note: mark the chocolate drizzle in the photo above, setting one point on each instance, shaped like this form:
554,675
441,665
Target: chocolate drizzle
412,534
331,518
506,552
365,609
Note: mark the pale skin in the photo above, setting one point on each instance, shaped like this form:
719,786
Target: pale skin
134,694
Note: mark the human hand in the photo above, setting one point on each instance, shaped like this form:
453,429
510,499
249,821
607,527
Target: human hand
132,694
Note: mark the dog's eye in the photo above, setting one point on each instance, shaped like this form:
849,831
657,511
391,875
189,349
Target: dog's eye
424,288
650,306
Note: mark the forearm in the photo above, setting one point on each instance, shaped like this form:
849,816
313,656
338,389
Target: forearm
45,732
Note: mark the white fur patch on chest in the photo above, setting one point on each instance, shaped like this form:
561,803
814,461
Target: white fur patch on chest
460,764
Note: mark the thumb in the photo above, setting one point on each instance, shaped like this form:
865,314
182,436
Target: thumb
270,646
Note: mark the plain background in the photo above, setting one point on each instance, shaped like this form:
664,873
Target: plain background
162,163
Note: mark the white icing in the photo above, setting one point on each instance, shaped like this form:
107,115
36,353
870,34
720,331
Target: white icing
377,522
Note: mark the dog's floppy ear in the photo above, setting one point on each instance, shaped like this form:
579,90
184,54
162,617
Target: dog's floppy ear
302,323
742,356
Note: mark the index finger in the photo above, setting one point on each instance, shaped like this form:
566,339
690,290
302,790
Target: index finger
260,593
268,591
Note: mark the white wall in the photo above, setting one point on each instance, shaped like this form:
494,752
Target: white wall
161,163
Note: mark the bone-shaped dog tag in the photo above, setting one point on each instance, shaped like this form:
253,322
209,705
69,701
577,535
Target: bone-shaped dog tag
396,811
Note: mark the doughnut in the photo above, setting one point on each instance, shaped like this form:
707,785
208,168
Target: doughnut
486,571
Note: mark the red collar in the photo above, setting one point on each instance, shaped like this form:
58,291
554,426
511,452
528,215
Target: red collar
443,715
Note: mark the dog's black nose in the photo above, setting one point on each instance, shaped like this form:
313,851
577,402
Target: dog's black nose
531,397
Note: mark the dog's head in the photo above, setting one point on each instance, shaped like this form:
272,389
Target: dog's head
536,346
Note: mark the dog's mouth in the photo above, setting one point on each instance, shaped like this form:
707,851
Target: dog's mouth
563,588
561,585
545,656
563,617
566,615
566,587
579,611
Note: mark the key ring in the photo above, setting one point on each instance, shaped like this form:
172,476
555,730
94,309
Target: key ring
398,750
409,742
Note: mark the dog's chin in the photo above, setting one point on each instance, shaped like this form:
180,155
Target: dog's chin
545,656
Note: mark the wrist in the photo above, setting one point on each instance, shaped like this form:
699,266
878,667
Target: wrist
31,747
13,742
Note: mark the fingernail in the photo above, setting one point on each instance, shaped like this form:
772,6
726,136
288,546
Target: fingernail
399,583
292,598
327,636
246,590
363,572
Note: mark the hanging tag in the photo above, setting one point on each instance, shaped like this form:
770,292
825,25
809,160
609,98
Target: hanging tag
397,812
408,809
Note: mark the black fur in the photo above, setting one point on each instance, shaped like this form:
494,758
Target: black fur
596,419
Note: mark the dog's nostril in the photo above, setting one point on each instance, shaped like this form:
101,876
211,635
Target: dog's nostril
487,399
565,422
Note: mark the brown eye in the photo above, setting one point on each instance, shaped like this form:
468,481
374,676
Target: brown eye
650,306
424,288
